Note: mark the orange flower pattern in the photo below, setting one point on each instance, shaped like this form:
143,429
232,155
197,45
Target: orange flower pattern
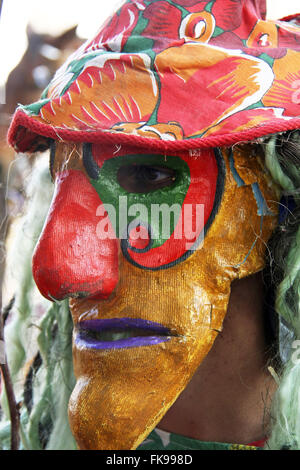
105,93
285,92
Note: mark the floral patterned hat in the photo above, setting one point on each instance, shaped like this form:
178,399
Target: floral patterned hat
173,74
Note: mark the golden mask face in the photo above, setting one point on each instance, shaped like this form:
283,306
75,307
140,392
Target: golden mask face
145,315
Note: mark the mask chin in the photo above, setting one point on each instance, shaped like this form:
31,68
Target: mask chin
121,395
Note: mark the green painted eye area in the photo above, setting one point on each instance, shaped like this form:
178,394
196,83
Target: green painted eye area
150,201
135,176
145,178
141,182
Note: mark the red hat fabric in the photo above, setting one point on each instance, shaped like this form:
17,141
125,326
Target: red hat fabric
173,75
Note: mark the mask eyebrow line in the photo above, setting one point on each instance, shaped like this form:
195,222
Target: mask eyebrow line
52,157
91,166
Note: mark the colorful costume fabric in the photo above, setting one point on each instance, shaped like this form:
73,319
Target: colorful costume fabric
162,440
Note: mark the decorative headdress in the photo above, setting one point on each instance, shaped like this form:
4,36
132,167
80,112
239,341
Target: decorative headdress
173,74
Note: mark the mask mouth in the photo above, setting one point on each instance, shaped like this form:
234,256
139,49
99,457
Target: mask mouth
119,333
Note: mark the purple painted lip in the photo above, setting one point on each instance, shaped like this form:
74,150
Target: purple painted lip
118,333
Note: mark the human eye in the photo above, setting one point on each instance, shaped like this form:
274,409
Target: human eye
136,178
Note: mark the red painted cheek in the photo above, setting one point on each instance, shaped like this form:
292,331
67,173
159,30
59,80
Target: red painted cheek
69,259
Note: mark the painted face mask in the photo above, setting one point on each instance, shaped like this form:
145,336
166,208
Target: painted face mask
152,305
153,217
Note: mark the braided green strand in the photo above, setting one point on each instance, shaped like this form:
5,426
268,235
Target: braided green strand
291,281
274,167
286,403
37,326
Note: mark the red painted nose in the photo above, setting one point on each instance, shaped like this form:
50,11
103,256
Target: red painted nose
69,259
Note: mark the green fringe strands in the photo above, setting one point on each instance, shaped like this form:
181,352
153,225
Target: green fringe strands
283,161
38,336
286,411
274,167
291,285
48,422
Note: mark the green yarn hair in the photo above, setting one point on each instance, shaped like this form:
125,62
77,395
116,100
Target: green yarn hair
38,335
283,161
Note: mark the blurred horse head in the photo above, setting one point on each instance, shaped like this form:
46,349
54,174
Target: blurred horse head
25,83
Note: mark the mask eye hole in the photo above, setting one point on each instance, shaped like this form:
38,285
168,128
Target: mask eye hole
145,178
